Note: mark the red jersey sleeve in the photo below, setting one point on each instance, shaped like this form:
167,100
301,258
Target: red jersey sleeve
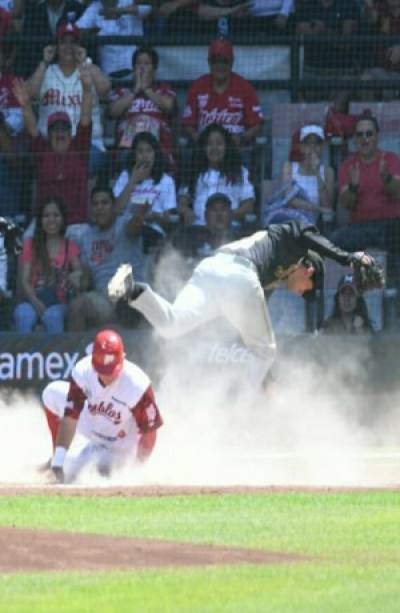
146,413
75,401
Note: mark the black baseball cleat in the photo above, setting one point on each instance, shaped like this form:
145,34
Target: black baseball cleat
121,284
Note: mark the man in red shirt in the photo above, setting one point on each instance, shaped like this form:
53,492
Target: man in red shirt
369,184
61,160
223,97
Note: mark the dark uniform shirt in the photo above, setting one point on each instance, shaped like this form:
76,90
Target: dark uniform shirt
274,250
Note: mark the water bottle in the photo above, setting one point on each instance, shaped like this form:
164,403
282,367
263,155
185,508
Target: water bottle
3,264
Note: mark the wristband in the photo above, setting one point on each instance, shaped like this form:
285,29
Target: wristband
58,457
353,189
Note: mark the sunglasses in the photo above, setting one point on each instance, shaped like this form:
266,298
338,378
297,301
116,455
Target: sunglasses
366,134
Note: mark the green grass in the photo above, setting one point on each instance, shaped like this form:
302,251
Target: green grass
354,540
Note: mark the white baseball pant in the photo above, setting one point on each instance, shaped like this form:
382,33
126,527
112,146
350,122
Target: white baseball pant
222,285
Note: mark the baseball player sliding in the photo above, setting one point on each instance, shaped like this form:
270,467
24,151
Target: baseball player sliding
110,401
231,283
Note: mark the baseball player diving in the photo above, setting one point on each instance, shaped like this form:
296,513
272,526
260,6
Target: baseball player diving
110,401
231,283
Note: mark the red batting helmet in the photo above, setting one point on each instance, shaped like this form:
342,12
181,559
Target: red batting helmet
108,353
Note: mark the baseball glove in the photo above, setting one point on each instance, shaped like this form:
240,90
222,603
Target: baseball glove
367,276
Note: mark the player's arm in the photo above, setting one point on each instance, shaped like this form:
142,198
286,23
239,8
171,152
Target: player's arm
67,428
148,420
312,239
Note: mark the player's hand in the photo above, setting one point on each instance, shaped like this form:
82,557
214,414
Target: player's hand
49,53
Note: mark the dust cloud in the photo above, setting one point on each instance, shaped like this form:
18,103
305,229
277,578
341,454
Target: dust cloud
219,431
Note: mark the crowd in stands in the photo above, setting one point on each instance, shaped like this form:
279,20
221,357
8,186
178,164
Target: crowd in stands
89,203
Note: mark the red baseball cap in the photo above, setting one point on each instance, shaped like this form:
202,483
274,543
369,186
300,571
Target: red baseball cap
58,116
68,28
221,47
108,353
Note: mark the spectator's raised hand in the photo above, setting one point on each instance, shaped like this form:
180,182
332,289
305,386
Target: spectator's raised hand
355,175
384,171
141,171
80,55
49,53
21,92
85,76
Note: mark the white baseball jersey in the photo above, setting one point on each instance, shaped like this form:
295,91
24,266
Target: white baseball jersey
112,415
61,93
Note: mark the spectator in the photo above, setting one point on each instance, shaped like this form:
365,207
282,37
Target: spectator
350,311
115,18
111,240
186,17
216,168
223,97
43,19
197,242
146,190
50,267
384,16
56,83
147,107
266,17
325,17
316,180
61,159
11,126
369,184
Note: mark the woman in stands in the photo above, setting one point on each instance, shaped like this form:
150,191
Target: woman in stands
216,168
146,190
49,270
350,311
315,180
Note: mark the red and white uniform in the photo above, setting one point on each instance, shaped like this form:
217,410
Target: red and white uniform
61,93
113,416
145,116
236,109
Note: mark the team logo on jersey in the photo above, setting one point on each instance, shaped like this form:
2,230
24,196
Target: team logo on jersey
107,411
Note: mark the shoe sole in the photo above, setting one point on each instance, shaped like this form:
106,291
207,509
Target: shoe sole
118,286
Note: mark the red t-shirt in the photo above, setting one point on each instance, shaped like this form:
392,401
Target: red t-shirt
62,260
145,116
373,201
237,108
64,175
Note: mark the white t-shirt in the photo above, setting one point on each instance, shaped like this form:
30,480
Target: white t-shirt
161,196
212,182
115,57
61,93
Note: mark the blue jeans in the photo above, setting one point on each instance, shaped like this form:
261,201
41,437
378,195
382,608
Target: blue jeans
26,318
